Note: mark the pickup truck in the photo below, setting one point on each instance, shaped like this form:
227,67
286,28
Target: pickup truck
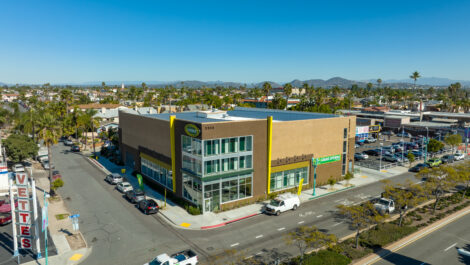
385,206
187,257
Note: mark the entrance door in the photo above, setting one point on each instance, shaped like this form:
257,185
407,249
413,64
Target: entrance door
208,205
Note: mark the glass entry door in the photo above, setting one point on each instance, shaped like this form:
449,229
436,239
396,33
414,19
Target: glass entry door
208,205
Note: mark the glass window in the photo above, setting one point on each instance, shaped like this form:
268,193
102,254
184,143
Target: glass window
233,142
344,146
186,144
248,143
345,133
225,144
288,178
242,144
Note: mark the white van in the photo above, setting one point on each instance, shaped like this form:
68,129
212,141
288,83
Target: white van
282,203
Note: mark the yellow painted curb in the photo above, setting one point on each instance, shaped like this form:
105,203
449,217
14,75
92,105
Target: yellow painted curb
364,177
76,257
185,225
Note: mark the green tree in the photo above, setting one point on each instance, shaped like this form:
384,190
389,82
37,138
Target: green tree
405,196
411,157
56,184
453,140
50,131
304,237
379,82
287,92
360,217
19,147
348,177
463,176
435,145
266,89
438,181
415,75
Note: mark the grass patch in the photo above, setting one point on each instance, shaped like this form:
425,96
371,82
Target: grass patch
62,216
384,234
323,257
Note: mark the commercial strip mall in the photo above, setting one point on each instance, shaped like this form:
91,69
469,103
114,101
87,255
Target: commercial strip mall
214,159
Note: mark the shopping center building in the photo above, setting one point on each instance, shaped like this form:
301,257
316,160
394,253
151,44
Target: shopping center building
215,159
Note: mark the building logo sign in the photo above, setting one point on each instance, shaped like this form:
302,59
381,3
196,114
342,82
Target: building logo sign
192,130
328,159
24,211
374,128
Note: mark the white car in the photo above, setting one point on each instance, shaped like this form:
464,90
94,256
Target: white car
47,166
282,203
17,168
68,142
459,156
124,187
385,206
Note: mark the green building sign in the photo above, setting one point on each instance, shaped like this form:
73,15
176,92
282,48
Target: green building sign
326,159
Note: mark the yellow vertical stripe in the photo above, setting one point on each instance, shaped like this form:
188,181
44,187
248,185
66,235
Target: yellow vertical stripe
270,141
173,153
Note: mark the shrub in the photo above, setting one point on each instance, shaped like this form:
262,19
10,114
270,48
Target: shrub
347,248
326,257
384,234
193,210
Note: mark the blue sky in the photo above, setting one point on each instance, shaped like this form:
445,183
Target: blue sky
246,41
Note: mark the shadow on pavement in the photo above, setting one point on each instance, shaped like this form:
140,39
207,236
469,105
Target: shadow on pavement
396,258
6,241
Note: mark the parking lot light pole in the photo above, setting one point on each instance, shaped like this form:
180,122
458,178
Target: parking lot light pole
402,150
380,162
426,144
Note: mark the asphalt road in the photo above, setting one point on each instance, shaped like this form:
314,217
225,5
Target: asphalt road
120,234
439,247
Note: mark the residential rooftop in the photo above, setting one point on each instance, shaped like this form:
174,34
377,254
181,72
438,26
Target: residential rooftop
241,114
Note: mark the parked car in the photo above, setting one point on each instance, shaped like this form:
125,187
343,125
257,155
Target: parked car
372,152
459,156
446,159
187,257
434,162
282,203
389,149
124,187
56,175
402,159
370,140
418,167
5,218
360,143
75,148
385,206
360,156
405,134
68,142
148,206
113,178
46,165
387,133
17,168
356,146
6,207
417,153
135,196
390,158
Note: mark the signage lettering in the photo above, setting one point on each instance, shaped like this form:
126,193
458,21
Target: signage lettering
25,218
22,192
20,179
327,159
25,230
23,205
25,243
191,130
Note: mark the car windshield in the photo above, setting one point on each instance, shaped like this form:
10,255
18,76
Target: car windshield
275,202
126,185
383,202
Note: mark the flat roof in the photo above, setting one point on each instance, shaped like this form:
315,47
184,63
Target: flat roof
429,124
240,113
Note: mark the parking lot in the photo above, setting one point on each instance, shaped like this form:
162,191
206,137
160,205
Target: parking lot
373,160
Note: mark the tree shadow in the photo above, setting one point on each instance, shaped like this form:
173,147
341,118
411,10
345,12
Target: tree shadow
397,258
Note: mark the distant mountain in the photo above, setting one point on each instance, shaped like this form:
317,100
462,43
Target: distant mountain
425,81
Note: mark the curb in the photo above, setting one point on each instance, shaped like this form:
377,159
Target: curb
229,222
97,165
395,246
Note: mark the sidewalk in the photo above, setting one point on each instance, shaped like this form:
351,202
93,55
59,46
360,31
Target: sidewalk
70,245
180,218
393,247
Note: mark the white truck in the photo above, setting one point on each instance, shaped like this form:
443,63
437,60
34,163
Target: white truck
385,206
282,203
187,257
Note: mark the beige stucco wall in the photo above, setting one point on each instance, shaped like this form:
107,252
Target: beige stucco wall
320,137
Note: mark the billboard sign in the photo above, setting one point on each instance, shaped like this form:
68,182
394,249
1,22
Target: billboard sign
24,211
328,159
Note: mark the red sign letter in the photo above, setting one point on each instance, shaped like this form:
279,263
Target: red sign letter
22,193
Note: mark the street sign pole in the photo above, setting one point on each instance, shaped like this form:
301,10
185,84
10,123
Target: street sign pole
13,221
45,224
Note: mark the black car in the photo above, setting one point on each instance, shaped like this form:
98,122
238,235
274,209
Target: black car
75,148
135,196
372,152
148,206
418,167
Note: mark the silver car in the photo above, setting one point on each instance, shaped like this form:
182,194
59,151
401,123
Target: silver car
113,178
124,187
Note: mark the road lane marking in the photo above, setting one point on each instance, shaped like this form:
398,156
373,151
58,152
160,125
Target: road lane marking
249,257
259,253
451,246
338,223
280,229
301,222
234,245
259,236
319,215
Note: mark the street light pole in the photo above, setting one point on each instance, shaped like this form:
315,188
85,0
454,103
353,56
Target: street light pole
380,162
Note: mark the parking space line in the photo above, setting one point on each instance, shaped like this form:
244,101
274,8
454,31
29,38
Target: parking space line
259,253
234,245
280,229
259,236
301,222
451,246
319,215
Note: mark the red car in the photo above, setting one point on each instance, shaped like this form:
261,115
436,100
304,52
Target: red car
6,207
5,218
56,175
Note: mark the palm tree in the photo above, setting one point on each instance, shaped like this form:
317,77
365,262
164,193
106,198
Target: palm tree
50,131
415,75
266,89
379,82
287,92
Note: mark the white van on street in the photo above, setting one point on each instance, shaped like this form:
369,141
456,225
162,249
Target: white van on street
282,203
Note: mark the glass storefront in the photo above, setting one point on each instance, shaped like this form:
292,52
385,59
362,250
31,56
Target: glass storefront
157,172
289,178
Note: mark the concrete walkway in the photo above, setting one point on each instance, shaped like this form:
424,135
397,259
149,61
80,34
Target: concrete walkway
180,218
